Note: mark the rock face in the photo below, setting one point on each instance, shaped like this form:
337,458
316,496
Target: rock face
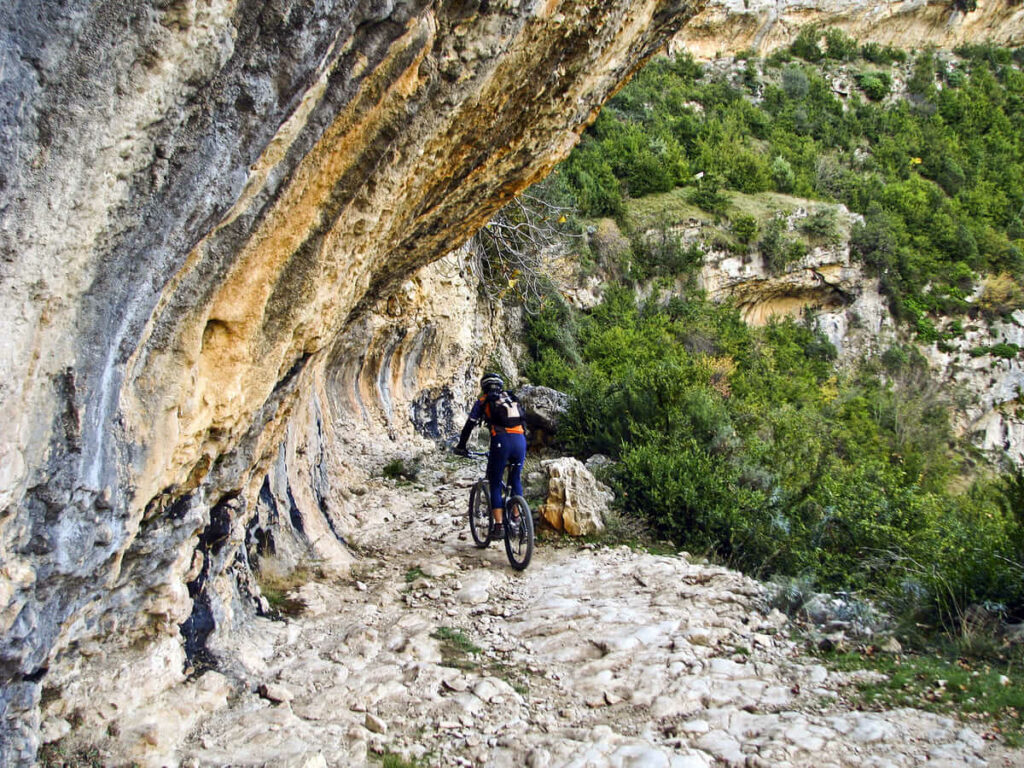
576,501
825,279
992,416
729,26
543,407
846,302
202,205
849,308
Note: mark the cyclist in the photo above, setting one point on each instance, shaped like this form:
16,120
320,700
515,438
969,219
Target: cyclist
503,413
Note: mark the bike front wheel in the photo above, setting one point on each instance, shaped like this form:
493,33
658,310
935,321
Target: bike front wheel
480,520
518,532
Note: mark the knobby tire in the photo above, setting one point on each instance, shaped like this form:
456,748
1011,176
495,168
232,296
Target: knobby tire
480,520
519,547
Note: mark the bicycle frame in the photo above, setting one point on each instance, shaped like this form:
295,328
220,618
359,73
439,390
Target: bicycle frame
505,472
518,525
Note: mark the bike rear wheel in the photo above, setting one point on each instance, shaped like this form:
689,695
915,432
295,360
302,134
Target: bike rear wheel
480,520
518,532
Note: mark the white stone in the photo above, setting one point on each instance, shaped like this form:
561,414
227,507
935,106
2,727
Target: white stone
457,684
276,692
54,728
871,729
436,570
374,723
817,674
723,746
475,588
695,726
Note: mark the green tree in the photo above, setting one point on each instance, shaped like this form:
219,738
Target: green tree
806,44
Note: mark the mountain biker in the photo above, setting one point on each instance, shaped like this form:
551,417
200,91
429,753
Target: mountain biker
503,413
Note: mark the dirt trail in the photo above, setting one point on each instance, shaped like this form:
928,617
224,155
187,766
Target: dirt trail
439,653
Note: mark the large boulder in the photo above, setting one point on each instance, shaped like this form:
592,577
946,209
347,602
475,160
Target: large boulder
576,501
543,408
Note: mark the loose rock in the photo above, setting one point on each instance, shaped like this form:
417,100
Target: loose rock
375,724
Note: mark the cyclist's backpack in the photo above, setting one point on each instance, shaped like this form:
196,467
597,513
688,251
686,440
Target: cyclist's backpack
505,411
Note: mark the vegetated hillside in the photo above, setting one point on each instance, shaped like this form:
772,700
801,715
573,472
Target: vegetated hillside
750,442
928,149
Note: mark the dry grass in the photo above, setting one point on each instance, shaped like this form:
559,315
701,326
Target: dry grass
278,581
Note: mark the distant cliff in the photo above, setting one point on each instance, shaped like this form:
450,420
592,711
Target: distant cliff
726,27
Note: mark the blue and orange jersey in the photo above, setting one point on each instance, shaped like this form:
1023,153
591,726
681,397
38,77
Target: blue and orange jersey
482,410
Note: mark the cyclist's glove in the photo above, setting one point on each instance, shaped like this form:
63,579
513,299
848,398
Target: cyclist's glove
467,432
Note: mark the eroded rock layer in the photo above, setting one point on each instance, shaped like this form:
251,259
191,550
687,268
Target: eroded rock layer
202,202
727,27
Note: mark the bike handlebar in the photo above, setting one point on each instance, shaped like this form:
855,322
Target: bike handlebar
469,454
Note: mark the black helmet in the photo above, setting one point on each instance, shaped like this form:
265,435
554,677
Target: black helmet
491,382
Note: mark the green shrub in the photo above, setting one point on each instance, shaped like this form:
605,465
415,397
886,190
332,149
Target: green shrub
402,469
822,224
708,196
874,84
392,760
779,249
806,44
751,75
660,252
878,54
748,172
597,191
56,755
1004,350
745,228
782,174
839,45
795,82
922,80
986,53
955,77
1000,295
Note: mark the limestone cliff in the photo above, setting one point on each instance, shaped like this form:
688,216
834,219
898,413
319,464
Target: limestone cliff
726,27
200,205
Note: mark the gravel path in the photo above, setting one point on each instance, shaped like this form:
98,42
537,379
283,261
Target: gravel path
438,653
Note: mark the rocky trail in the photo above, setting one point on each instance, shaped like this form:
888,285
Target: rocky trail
438,653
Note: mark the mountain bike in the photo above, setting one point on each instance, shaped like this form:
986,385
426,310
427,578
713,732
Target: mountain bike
517,518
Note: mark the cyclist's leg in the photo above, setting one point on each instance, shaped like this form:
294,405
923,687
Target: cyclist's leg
516,457
496,460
